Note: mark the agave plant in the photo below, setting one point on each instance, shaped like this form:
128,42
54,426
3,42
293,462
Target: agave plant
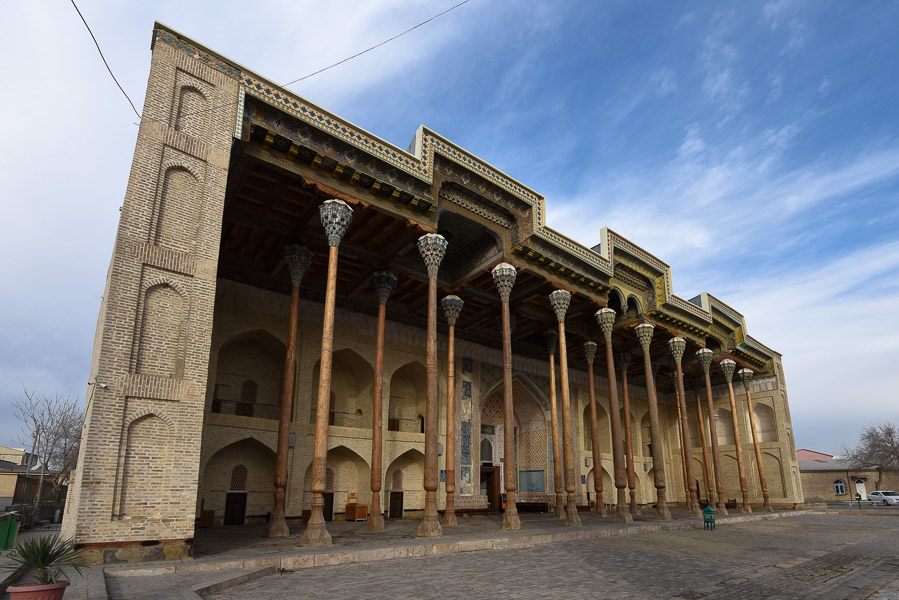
47,557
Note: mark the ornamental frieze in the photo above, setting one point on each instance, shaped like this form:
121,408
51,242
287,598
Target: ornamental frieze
477,205
277,122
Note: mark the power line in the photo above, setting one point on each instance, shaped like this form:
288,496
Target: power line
104,59
399,35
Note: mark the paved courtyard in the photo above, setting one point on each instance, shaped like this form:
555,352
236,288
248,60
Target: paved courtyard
807,556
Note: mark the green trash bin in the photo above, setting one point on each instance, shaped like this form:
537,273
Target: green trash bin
9,527
708,518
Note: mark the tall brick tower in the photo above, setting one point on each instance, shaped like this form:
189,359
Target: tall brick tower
136,479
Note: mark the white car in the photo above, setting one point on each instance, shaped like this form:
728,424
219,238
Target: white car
887,496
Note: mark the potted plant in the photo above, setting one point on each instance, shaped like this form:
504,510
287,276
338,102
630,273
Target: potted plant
46,558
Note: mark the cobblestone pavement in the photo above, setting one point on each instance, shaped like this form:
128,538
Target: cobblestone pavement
813,556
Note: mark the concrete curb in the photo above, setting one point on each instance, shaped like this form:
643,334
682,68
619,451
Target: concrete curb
308,560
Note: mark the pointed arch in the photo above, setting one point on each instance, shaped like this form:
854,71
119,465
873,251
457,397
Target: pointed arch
407,397
161,330
352,384
603,428
247,362
246,464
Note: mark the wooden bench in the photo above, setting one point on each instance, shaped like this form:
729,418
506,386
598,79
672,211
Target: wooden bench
537,507
468,512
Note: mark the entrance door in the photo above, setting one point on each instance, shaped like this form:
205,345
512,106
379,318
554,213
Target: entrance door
329,505
396,505
490,487
235,508
860,488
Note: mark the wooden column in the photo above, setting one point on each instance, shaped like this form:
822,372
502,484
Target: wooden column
624,361
727,367
606,319
432,247
504,277
677,346
560,299
683,446
600,506
644,333
746,376
705,359
383,283
452,306
298,259
552,339
709,482
336,216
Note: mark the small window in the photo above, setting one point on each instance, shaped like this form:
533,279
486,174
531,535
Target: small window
839,487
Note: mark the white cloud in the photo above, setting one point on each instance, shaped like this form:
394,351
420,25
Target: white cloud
664,80
824,87
693,143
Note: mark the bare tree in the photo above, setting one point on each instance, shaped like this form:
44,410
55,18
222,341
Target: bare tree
52,424
877,448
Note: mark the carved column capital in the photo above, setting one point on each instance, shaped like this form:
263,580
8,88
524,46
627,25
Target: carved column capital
624,360
644,335
590,351
551,339
298,260
432,247
705,358
746,376
560,300
452,307
606,319
504,276
336,217
677,346
383,282
727,367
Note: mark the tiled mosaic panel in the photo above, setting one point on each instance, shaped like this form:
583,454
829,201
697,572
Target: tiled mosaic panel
466,443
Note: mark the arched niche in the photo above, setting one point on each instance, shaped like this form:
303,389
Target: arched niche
352,385
249,376
407,470
609,492
603,428
766,426
725,426
351,474
406,405
247,457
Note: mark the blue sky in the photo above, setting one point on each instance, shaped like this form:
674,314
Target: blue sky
752,146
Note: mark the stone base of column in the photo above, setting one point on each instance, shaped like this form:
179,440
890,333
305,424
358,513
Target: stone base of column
572,519
277,526
635,510
449,513
695,511
316,532
745,506
662,512
375,520
430,522
511,522
766,506
622,515
722,509
559,509
599,507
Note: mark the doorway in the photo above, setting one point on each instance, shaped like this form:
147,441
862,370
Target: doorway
329,506
235,508
395,510
490,487
860,488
